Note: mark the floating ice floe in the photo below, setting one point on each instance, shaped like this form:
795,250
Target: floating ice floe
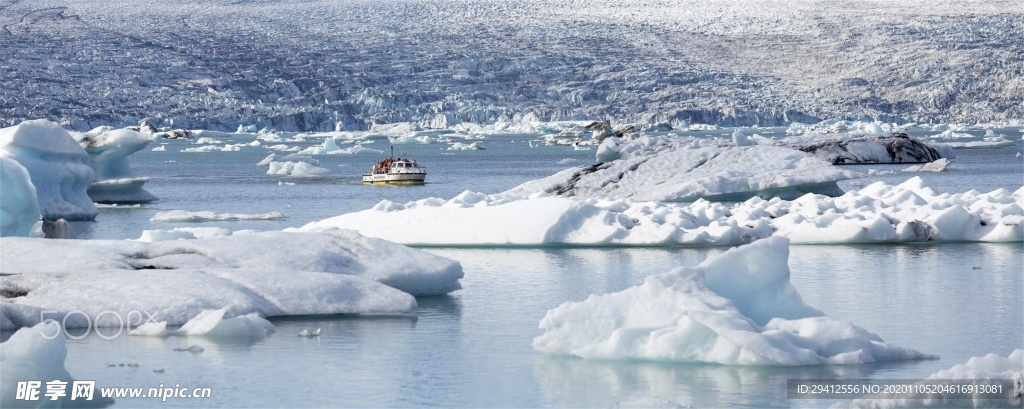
212,324
270,273
972,374
213,148
330,147
877,213
19,210
412,138
738,308
206,140
679,169
459,146
295,169
57,166
207,216
845,148
114,180
267,160
843,126
186,233
963,140
37,354
940,165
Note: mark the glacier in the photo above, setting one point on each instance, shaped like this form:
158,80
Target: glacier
737,308
270,273
440,64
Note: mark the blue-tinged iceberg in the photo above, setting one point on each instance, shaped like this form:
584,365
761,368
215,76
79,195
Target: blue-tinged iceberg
37,354
19,210
738,308
57,166
115,181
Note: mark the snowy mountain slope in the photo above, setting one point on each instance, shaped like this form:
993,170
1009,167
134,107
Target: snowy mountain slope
321,65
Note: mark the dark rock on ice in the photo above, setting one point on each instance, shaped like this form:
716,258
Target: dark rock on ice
844,148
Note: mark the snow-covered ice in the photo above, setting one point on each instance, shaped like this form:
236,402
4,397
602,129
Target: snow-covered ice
114,180
270,273
877,213
208,216
185,233
737,308
57,166
38,353
19,210
679,169
976,370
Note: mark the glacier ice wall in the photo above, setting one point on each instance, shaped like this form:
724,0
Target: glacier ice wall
220,64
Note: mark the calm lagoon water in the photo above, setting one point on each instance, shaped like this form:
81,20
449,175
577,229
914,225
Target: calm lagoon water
473,348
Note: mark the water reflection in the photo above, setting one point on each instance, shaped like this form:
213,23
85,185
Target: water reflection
575,382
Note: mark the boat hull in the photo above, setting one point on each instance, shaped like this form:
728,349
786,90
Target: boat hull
395,179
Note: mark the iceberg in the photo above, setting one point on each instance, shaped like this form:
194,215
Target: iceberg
270,273
19,211
330,147
849,148
975,371
738,308
459,146
295,169
57,166
940,165
674,169
212,324
114,180
877,213
38,353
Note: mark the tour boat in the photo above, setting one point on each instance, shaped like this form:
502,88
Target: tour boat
395,171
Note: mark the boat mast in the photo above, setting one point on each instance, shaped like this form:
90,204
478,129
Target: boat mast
392,152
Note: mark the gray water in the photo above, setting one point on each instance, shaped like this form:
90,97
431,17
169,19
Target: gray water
473,348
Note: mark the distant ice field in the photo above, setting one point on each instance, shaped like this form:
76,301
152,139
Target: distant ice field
348,64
